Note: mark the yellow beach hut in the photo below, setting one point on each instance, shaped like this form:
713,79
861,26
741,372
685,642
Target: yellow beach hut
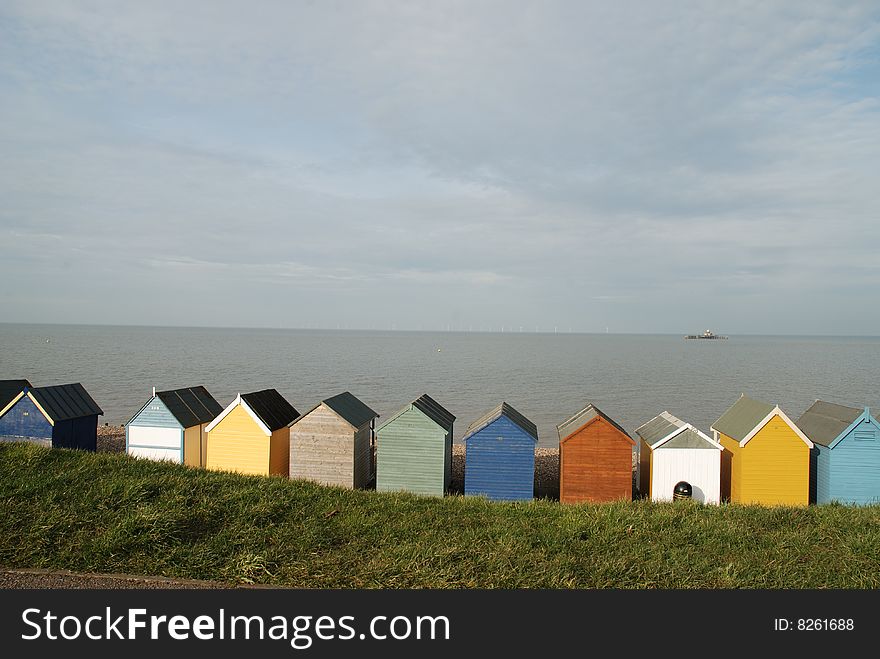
251,436
767,460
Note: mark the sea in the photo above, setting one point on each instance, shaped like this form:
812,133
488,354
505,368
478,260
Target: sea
548,377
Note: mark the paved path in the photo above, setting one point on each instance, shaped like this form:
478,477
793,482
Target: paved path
11,578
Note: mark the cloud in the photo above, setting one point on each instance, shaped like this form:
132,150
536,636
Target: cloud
625,153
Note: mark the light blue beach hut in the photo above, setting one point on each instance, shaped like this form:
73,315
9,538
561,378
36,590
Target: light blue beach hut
845,460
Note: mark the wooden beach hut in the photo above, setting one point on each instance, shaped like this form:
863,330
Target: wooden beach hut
671,451
414,449
767,457
9,393
171,426
595,458
251,436
61,416
845,461
500,455
332,443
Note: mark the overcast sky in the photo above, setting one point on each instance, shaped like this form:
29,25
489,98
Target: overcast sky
641,166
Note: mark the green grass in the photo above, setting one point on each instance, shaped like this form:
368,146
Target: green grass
110,513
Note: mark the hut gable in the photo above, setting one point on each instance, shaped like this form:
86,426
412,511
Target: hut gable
269,410
507,411
746,417
10,392
587,415
828,423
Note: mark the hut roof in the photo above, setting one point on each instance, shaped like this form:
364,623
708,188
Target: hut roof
65,401
503,410
191,406
742,417
824,422
9,389
659,427
271,407
590,412
668,431
350,408
430,408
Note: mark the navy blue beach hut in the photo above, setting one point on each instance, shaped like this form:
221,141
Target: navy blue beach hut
62,416
845,460
500,456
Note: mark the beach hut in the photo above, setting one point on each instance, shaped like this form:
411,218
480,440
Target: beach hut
846,453
251,436
595,458
171,426
672,451
500,455
61,416
767,457
414,449
332,443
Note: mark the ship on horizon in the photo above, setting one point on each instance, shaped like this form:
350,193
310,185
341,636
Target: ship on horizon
708,334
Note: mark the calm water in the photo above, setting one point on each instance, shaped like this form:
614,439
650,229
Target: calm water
547,377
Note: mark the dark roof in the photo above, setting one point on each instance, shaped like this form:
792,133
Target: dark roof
191,406
824,422
742,417
66,401
503,410
350,408
434,410
579,420
9,389
272,408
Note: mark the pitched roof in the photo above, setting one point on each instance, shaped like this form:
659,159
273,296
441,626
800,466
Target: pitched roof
191,406
579,420
690,438
502,410
434,410
430,408
350,408
9,389
742,417
824,422
659,427
65,401
271,407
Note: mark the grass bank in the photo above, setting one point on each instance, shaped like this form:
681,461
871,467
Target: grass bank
110,513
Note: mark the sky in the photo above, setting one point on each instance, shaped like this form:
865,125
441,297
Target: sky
588,166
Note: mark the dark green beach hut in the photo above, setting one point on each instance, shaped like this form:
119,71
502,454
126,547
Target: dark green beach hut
414,449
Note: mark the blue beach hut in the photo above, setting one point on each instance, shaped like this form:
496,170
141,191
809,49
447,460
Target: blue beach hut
62,416
500,455
845,460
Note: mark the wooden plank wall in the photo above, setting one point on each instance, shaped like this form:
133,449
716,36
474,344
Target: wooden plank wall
595,464
322,449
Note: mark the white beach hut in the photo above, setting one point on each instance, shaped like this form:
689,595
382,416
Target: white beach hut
671,451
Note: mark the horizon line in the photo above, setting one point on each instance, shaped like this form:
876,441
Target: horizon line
422,331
